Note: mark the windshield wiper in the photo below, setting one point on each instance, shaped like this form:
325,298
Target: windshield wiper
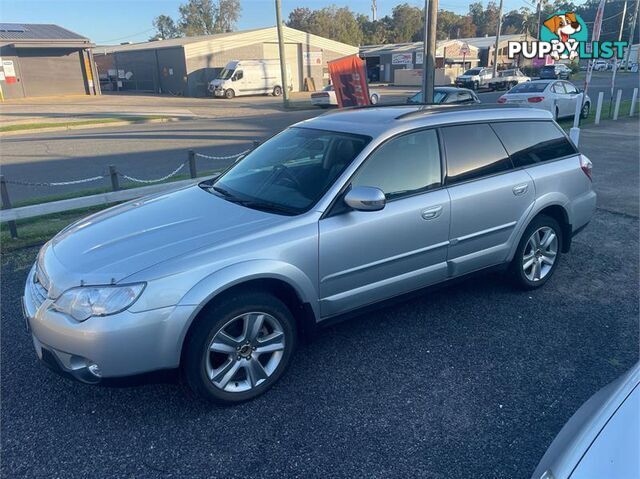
268,207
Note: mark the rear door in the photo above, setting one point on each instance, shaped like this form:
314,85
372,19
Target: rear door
562,100
489,199
368,256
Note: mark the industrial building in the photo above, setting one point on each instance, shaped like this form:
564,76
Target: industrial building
185,66
42,60
389,63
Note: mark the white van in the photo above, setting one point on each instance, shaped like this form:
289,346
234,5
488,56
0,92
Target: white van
250,77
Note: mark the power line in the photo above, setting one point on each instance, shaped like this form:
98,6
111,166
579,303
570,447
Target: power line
126,36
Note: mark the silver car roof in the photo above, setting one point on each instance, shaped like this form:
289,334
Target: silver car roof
375,121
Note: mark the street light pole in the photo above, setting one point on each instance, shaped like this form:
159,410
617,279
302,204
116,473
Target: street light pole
495,49
283,58
430,50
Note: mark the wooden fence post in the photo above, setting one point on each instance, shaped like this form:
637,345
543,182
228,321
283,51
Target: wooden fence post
192,164
113,173
6,204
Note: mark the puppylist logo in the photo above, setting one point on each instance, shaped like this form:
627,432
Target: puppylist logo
564,36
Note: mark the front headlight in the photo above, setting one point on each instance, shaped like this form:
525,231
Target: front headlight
86,301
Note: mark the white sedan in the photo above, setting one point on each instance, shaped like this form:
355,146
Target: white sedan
556,96
327,97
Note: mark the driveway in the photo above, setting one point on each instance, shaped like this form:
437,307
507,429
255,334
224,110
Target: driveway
473,380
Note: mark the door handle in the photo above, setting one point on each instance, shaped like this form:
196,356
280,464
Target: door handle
520,190
431,213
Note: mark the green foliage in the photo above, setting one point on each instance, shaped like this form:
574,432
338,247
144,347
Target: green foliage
199,17
339,24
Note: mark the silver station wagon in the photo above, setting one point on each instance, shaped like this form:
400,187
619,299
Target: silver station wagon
220,280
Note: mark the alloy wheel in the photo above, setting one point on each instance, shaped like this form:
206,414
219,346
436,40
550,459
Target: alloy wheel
540,254
245,352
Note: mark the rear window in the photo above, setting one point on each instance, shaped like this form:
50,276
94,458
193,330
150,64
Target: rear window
531,142
529,87
473,151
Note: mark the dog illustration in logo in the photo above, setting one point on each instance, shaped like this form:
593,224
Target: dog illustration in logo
563,25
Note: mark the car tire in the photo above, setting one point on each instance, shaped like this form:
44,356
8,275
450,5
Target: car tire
221,361
277,90
229,94
537,255
374,99
476,86
584,113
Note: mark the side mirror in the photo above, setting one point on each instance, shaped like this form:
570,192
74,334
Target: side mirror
365,198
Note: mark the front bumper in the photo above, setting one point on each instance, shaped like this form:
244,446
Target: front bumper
120,345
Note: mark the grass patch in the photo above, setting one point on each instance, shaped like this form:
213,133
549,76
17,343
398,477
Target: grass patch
36,231
67,124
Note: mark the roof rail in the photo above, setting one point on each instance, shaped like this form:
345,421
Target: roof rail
429,109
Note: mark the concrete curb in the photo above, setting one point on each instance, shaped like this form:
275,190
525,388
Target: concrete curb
75,126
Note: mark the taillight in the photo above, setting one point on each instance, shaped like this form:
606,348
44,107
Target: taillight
502,100
535,99
586,166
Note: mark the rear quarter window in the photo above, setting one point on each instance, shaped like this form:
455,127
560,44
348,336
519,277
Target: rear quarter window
473,151
531,142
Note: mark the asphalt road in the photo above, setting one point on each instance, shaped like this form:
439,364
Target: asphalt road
473,380
151,151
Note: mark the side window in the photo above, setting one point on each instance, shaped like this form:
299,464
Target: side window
238,75
530,142
569,87
404,165
473,151
558,88
464,96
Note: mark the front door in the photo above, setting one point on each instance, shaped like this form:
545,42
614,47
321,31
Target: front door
368,256
488,197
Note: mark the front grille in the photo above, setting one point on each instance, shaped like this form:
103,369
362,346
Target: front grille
38,291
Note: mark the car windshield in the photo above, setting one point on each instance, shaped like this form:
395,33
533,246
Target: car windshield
438,97
328,88
473,71
289,173
225,74
529,87
548,68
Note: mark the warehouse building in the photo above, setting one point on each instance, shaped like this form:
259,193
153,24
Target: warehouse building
185,66
42,60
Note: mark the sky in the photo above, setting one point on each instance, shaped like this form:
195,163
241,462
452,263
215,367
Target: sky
116,21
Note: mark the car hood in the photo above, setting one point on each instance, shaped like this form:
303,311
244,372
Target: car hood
217,82
468,77
115,243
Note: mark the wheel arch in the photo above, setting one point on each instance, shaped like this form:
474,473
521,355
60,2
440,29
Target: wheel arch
556,210
283,280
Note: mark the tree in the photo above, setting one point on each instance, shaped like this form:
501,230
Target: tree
165,28
300,18
407,23
197,17
227,16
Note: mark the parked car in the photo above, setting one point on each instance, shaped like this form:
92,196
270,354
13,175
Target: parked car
249,77
602,438
334,214
557,70
474,78
558,97
507,79
449,95
327,97
600,65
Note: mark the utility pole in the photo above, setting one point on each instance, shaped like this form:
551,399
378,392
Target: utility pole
283,58
429,65
631,35
538,13
615,60
374,10
495,49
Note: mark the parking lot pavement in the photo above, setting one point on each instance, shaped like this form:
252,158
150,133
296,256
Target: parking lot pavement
473,380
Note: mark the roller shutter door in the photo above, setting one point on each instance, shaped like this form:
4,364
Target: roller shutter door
47,71
292,54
